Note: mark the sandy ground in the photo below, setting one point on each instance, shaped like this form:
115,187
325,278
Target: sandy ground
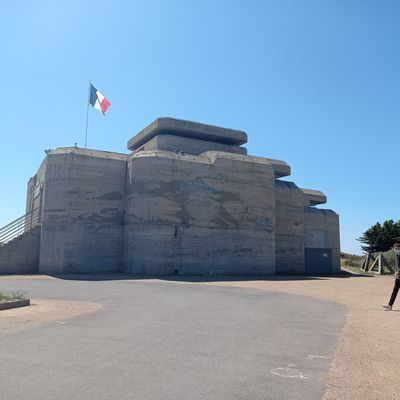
367,361
41,311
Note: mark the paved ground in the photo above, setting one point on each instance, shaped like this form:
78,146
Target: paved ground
366,364
169,340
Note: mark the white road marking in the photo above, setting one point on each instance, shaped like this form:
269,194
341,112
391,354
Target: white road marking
312,356
288,372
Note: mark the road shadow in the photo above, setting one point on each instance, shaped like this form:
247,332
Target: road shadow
204,278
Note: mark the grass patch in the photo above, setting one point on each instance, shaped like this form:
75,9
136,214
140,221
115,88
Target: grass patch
18,295
356,270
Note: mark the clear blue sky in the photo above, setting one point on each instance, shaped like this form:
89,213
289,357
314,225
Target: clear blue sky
315,83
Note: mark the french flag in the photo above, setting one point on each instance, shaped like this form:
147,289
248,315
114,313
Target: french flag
97,100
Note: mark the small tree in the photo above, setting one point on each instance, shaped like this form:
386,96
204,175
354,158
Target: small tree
380,237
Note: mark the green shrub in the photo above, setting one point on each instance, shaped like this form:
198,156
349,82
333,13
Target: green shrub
380,237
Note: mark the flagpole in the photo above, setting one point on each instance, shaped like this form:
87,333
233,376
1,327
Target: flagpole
87,112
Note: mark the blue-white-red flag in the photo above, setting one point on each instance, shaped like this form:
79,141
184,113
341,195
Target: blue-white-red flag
98,101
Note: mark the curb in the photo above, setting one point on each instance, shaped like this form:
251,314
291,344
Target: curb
15,304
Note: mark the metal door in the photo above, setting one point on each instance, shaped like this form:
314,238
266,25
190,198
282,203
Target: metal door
318,261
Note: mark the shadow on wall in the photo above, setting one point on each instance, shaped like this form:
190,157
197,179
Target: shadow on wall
210,278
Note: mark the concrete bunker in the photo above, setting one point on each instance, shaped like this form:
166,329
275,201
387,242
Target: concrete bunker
188,199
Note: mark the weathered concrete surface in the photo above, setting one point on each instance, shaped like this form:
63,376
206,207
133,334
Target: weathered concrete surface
321,230
190,129
289,227
200,215
21,255
82,223
188,145
34,195
9,305
313,197
281,168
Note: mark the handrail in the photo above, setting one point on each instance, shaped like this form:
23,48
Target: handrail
19,226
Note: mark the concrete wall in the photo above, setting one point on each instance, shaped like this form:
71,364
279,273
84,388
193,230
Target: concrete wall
289,228
21,255
321,230
82,224
188,145
35,188
212,214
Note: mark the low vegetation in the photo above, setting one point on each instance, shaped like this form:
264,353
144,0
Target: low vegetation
354,262
18,295
351,260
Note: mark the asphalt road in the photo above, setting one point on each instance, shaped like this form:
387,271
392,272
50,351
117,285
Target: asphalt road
171,341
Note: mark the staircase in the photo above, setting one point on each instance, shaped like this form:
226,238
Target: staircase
19,245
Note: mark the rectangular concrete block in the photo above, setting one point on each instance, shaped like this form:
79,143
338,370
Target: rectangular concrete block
14,304
187,145
190,215
82,214
289,228
313,197
322,231
189,129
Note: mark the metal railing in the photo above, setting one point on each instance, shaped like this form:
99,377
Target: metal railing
19,226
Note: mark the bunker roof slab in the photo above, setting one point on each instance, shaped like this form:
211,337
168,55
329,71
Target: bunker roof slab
89,152
190,129
314,197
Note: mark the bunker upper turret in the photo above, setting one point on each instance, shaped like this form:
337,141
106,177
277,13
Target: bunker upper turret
173,134
187,129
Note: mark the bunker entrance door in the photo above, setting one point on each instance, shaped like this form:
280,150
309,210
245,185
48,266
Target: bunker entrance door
318,261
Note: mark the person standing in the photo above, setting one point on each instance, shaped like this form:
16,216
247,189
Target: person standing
396,249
